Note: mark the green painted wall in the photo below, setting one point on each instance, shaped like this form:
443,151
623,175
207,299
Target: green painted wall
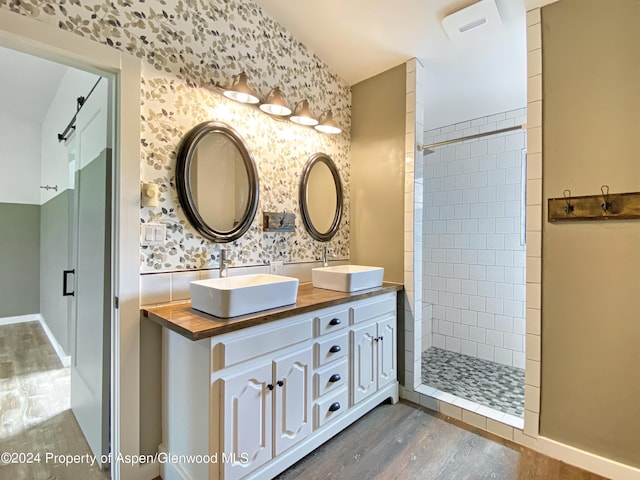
590,393
19,259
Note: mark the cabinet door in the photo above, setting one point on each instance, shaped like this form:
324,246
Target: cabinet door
247,420
365,369
292,420
387,351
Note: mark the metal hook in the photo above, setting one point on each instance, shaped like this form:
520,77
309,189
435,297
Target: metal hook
605,196
569,208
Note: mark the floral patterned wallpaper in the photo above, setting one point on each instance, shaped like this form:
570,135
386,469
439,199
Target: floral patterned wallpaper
188,47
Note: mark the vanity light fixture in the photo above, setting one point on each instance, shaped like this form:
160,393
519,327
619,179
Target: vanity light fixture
327,124
275,104
302,114
240,91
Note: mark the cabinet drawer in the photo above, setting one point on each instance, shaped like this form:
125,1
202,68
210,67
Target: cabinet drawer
330,407
253,342
331,349
330,378
331,322
374,308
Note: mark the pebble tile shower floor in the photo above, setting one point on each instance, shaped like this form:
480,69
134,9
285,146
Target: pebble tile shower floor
488,383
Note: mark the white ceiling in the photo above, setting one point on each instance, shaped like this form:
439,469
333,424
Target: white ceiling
482,73
27,84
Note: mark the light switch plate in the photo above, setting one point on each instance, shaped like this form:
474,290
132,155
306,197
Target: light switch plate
153,234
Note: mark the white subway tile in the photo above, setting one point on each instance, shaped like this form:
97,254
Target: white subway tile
503,356
504,291
514,342
519,326
445,327
461,241
496,209
439,341
487,225
488,163
469,257
462,151
514,275
471,195
461,331
495,242
486,257
497,117
461,271
471,165
495,274
180,284
486,352
477,272
504,258
505,225
519,360
454,255
461,300
455,168
469,225
513,308
495,338
155,288
478,241
469,348
494,305
469,317
445,298
478,179
462,211
470,287
486,289
452,344
454,197
487,194
477,303
446,241
454,285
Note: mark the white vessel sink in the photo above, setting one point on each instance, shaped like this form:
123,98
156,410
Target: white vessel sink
347,278
244,294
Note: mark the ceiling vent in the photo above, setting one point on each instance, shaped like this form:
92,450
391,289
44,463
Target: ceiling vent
472,18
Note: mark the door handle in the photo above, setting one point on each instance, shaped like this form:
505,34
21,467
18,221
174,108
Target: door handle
65,283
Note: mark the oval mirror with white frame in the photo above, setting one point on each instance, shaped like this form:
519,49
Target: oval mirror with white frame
320,197
217,181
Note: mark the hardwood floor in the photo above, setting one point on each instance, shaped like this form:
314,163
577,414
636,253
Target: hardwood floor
35,417
405,441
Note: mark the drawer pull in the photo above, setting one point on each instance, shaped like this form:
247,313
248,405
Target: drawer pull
334,406
335,321
335,378
270,386
280,383
335,349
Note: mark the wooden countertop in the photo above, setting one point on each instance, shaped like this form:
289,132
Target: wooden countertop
196,325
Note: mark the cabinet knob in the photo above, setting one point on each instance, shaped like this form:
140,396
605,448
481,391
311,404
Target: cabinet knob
334,378
335,321
381,338
280,383
270,386
377,339
335,348
334,406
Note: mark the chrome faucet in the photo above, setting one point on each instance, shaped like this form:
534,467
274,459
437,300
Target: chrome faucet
224,262
325,262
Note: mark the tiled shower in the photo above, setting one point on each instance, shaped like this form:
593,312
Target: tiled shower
474,261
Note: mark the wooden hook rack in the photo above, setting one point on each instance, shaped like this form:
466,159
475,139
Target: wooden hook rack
606,206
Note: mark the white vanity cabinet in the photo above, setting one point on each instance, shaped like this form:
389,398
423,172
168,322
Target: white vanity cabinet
265,410
256,400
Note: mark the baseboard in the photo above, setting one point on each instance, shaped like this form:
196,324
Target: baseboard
64,358
169,470
588,461
35,317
